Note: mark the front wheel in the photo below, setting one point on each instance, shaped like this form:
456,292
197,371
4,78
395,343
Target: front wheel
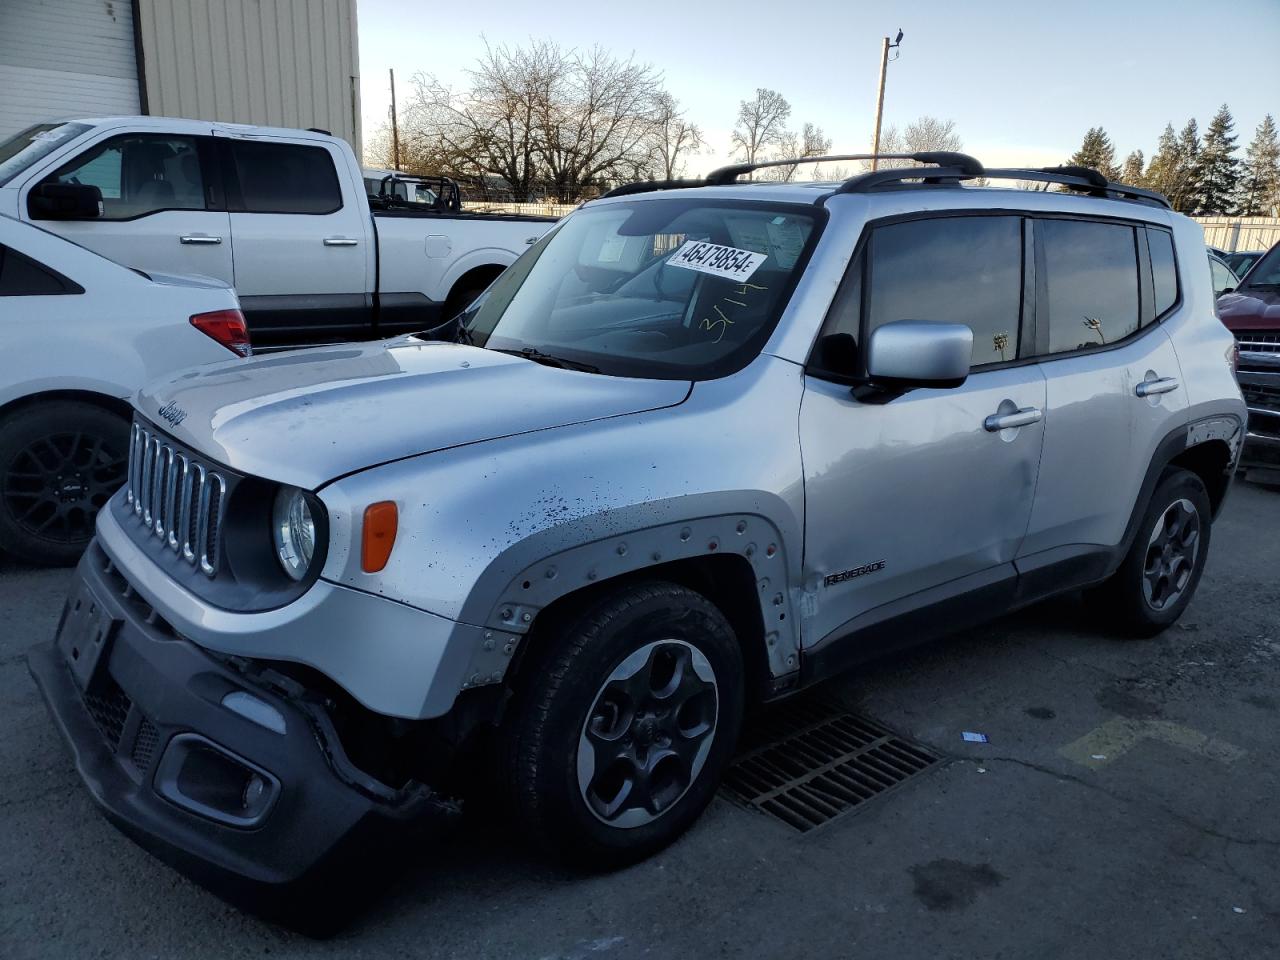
617,742
1162,569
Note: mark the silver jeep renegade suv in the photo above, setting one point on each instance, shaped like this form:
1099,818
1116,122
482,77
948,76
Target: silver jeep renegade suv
701,446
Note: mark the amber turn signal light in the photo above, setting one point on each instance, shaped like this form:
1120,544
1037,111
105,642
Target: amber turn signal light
380,522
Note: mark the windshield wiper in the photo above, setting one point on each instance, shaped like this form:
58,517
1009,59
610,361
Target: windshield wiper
546,359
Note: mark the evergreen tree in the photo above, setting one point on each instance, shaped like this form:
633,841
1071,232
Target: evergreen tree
1162,171
1219,166
1260,185
1184,191
1097,152
1131,173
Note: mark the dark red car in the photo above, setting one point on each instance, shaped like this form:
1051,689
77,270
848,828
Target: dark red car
1252,313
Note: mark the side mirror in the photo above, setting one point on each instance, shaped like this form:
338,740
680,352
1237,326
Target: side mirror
919,353
1224,291
64,201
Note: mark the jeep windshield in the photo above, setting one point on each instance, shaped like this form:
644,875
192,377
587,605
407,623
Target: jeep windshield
676,289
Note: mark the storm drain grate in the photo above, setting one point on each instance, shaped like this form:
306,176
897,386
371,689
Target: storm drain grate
811,762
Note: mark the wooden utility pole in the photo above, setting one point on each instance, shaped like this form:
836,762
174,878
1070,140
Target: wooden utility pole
395,128
884,65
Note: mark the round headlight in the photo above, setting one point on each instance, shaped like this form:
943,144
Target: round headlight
294,531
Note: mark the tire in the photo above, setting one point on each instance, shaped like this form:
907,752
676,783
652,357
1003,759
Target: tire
59,463
591,697
459,300
1160,573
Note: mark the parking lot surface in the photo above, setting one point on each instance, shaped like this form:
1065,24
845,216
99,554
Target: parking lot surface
1125,805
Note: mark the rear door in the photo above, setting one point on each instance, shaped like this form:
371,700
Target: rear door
162,207
1114,387
303,270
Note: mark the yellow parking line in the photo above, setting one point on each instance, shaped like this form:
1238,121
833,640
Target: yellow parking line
1113,739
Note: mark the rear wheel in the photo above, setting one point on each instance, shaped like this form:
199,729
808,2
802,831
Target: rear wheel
59,463
1159,575
617,742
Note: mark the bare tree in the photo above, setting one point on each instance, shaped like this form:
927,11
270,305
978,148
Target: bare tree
598,121
761,124
925,134
811,142
673,136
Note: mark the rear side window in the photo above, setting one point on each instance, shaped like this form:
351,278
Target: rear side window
285,178
20,276
139,174
1164,273
956,269
1092,281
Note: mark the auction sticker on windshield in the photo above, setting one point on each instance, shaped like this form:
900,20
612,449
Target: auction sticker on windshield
728,262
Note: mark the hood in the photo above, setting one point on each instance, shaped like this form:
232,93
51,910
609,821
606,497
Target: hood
1250,308
308,416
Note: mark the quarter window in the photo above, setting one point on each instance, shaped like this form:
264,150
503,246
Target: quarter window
1092,283
20,276
285,178
140,174
1164,274
957,269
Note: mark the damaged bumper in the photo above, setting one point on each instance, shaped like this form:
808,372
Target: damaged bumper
221,776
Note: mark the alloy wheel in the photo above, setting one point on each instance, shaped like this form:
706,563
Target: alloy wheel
648,733
55,486
1172,552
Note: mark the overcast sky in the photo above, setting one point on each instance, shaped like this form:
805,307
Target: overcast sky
1022,80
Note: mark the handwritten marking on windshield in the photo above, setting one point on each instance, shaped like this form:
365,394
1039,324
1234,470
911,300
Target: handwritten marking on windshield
723,323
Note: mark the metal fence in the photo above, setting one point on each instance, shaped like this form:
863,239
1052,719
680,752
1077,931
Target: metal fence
527,209
1240,233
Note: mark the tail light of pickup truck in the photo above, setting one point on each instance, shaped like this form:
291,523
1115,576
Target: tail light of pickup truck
227,327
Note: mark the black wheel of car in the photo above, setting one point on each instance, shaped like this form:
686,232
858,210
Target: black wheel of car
616,742
1160,573
59,463
459,300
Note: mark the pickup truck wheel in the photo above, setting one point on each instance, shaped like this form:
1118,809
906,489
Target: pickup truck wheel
59,463
617,741
1159,575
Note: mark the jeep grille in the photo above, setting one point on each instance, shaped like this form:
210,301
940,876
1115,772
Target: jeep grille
176,498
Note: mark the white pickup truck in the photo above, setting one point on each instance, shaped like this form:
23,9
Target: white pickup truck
280,214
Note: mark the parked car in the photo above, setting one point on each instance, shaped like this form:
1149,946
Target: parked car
1252,313
80,335
706,447
281,214
1240,261
1224,279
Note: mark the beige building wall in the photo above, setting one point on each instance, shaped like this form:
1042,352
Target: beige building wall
286,63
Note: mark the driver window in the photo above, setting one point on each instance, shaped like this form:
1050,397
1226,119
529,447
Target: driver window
140,174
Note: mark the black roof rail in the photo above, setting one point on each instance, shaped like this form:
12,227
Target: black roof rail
1086,180
646,186
729,174
319,130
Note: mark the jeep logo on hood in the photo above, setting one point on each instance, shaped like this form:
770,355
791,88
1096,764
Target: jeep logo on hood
173,413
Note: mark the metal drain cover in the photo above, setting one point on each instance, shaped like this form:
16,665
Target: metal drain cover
811,762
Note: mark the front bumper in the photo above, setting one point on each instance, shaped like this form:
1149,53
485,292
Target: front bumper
135,702
1260,458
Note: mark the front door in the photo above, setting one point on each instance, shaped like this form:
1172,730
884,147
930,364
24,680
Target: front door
161,212
912,501
303,266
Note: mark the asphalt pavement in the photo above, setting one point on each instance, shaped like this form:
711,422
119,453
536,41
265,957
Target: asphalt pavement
1126,804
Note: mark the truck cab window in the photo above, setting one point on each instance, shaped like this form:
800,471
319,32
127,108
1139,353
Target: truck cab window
140,174
285,178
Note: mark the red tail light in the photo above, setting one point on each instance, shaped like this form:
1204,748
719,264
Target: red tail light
227,327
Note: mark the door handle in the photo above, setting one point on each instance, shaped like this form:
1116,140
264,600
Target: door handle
340,242
199,239
1150,388
1007,421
